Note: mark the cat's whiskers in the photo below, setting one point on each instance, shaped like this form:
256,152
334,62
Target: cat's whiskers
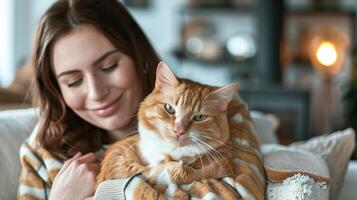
212,153
126,136
199,154
219,155
131,133
212,138
207,151
215,140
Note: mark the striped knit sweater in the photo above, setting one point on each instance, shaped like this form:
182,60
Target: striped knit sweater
39,169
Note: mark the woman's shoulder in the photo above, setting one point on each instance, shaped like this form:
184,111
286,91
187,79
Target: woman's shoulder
31,139
32,150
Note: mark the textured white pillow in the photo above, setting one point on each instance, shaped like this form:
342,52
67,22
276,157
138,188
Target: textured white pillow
297,187
294,174
336,149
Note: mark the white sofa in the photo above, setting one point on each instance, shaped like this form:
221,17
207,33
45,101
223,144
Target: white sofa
16,125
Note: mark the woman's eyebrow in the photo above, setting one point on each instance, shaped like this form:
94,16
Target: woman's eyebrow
67,72
98,60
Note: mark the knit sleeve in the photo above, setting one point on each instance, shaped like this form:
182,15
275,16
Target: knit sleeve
135,187
111,189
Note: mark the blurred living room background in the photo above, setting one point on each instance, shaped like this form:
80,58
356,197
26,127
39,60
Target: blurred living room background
296,59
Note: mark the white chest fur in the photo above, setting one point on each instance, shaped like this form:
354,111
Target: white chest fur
154,149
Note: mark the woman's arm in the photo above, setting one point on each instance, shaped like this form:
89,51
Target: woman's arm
32,184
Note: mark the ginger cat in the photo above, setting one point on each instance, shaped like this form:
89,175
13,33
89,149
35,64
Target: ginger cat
184,136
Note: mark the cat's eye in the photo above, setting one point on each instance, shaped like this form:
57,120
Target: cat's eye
169,109
199,117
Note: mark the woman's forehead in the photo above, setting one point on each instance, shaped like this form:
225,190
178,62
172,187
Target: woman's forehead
80,48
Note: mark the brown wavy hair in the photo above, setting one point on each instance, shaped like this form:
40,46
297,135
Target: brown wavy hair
61,131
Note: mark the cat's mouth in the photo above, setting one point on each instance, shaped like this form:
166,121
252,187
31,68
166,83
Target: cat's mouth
180,141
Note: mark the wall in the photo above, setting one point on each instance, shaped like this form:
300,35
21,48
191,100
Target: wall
6,40
18,21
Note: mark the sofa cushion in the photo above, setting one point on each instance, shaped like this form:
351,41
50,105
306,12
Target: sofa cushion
15,127
265,125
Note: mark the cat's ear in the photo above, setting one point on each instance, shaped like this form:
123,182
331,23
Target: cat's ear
165,77
224,95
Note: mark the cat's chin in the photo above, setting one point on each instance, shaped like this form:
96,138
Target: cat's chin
179,142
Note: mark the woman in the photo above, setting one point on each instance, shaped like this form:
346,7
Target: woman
93,65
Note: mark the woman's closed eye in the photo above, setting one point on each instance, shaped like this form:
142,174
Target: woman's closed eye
75,83
110,68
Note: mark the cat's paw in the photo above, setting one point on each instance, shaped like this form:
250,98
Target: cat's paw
174,192
178,172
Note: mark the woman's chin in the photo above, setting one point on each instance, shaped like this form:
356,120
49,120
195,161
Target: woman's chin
114,125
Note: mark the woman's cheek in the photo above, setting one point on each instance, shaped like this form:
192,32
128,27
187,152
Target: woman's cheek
73,100
126,78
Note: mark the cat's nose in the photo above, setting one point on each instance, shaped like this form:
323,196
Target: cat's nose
179,132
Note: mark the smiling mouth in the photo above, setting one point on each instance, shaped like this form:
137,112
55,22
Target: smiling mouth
108,109
106,106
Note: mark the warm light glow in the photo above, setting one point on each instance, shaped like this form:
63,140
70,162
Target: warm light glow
326,53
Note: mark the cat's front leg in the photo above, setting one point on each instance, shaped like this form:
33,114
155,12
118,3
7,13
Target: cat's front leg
180,173
157,174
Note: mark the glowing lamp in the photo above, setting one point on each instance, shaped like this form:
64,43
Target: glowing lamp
326,54
328,48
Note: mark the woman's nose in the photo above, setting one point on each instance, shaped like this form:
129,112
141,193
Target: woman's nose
97,89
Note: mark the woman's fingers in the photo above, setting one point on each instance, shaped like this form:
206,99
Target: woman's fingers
69,161
77,177
78,159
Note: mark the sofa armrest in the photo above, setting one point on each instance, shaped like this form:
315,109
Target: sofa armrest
15,127
349,191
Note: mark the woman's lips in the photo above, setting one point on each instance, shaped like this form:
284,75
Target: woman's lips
109,109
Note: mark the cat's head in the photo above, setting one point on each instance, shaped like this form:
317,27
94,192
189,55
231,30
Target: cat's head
183,112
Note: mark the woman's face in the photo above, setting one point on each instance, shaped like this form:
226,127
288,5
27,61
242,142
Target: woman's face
98,82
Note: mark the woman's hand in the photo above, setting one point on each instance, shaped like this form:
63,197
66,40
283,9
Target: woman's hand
76,179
